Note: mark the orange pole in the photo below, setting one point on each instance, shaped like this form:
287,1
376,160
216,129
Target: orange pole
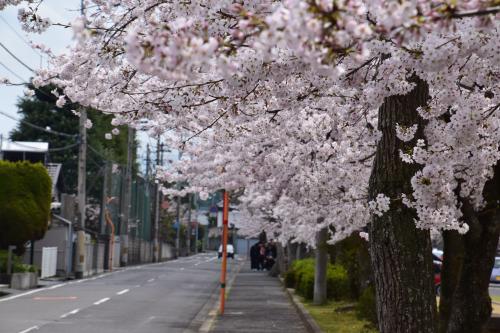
225,217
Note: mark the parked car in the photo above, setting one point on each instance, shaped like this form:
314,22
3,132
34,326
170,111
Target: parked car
229,249
495,273
437,254
437,264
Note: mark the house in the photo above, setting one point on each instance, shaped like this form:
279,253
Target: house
34,152
16,151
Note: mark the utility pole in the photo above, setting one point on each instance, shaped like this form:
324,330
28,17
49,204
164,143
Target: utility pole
197,224
126,202
178,223
189,224
225,218
156,242
82,179
178,216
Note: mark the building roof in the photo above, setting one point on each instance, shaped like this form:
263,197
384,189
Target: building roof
25,146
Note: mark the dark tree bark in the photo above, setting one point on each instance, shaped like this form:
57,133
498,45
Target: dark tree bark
453,250
466,305
400,253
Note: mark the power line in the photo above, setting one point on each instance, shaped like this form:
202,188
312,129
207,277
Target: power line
39,127
12,72
15,57
19,35
64,148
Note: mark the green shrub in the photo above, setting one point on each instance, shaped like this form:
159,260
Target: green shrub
24,268
366,307
306,284
25,194
337,282
17,264
301,277
352,253
290,279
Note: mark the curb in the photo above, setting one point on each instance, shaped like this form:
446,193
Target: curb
309,322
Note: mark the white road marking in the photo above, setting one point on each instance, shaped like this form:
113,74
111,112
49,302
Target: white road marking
57,286
102,301
30,329
151,280
182,268
123,291
21,295
75,311
137,285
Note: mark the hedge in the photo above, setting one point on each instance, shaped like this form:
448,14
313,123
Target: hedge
301,277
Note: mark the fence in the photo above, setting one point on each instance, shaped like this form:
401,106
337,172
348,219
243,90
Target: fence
138,227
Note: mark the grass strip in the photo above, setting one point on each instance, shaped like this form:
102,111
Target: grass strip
338,317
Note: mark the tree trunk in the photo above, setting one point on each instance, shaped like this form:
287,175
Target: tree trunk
319,296
279,266
291,250
400,253
470,307
453,251
471,304
299,254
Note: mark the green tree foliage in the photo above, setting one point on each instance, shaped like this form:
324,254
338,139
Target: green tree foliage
25,195
42,111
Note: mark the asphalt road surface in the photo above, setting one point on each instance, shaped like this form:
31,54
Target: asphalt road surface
152,298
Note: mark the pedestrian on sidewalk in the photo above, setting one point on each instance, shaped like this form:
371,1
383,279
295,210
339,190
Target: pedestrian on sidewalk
254,257
262,256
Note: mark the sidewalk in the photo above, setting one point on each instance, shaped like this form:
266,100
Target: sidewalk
258,303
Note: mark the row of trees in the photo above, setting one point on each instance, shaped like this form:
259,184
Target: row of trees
41,109
354,115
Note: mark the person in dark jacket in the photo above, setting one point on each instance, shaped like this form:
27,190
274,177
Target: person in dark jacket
254,257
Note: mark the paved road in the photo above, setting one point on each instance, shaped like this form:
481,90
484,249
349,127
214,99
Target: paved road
162,297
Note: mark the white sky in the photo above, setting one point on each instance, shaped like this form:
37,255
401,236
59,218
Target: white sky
56,38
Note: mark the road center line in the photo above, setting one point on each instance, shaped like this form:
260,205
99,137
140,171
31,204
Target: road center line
151,280
30,329
123,291
102,301
75,311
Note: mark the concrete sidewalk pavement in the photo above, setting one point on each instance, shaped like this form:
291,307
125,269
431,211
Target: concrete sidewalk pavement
258,303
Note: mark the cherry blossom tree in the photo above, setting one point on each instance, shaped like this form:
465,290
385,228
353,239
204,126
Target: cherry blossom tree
351,113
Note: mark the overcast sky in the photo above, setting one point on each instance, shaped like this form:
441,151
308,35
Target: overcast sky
12,37
17,41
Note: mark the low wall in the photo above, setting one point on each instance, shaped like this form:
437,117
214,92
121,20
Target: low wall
23,281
